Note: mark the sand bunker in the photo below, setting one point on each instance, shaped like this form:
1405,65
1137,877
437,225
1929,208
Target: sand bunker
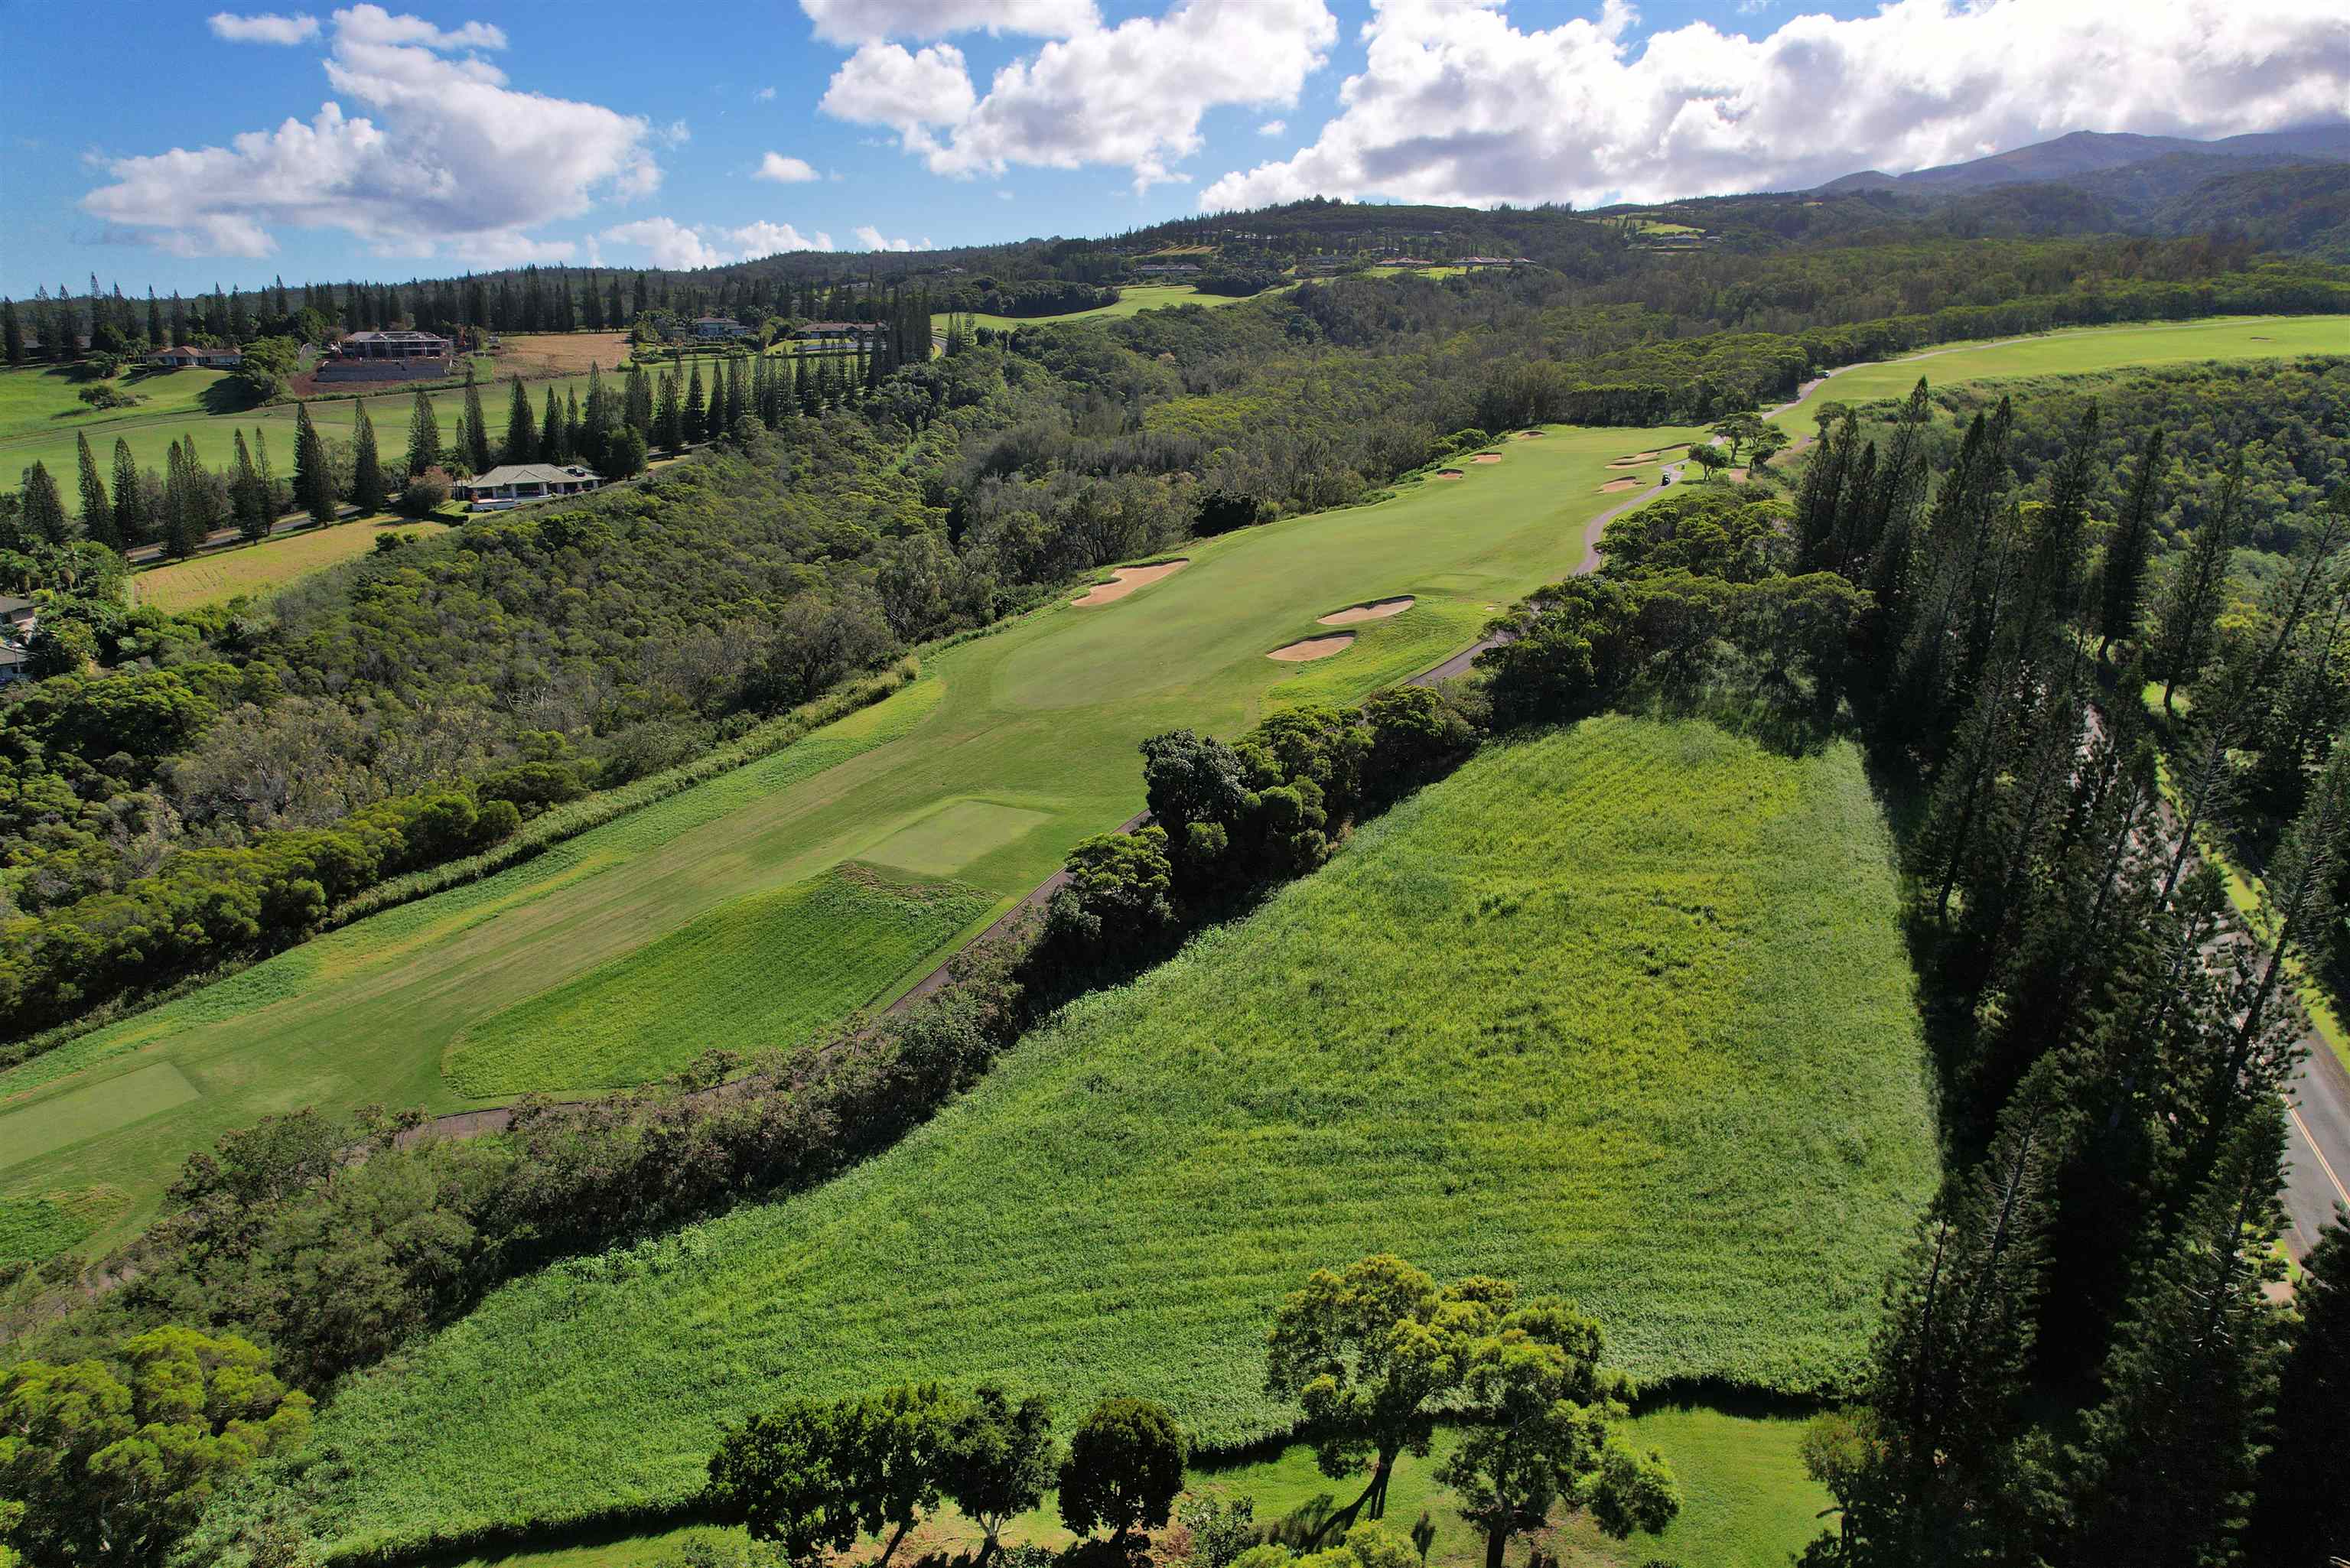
1375,610
1449,473
1312,648
1614,485
1530,435
1633,459
1487,457
1125,580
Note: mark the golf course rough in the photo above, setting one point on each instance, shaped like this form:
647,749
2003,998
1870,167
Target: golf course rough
1621,1011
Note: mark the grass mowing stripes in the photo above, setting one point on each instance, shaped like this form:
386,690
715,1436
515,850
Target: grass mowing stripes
265,567
1621,1011
765,970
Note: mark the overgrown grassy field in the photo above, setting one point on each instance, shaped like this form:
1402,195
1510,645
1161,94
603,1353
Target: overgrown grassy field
2081,351
208,412
1132,300
1621,1012
768,969
1027,736
1746,1504
33,1227
262,568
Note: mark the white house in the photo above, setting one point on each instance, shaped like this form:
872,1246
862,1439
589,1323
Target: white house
515,483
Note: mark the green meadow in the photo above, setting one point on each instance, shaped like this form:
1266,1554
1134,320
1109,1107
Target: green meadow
2080,351
1011,748
1621,1011
1745,1503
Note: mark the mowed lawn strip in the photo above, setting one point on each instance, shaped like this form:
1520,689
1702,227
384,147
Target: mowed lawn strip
262,568
1042,716
1621,1012
765,970
2079,351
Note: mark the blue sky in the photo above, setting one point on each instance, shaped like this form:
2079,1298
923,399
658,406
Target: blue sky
481,132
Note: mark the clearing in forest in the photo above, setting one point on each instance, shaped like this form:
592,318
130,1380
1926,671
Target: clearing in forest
1621,1011
264,568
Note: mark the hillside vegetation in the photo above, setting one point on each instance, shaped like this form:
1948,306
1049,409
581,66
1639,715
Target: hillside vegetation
1621,1011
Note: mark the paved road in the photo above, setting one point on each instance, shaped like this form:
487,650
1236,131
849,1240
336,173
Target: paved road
2317,1148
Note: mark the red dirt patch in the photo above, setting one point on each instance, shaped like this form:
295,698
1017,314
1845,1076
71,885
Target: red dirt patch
1487,457
1125,580
1613,485
1375,610
1312,648
1737,473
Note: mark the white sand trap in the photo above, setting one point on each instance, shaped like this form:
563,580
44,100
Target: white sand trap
1125,580
1613,485
1376,609
1634,460
1450,473
1487,457
1312,648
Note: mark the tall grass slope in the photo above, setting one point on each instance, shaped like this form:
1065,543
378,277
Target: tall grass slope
1621,1011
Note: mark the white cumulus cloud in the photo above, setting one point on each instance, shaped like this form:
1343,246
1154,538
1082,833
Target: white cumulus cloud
449,155
1272,128
870,21
675,245
873,239
1127,96
268,28
1458,104
783,170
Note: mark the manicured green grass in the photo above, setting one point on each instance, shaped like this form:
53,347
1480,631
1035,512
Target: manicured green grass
35,1228
262,568
2082,351
1132,300
764,971
152,426
1621,1012
45,401
93,1110
1041,718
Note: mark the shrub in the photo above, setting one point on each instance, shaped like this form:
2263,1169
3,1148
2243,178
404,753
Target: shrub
427,492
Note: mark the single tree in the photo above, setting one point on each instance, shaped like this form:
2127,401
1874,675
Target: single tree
96,510
314,481
12,333
1544,1404
2303,1511
44,509
1367,1352
2166,1461
999,1459
423,434
114,1468
695,422
2187,620
668,418
368,490
782,1476
247,501
128,513
522,439
1124,1467
2123,588
1710,458
553,442
476,446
